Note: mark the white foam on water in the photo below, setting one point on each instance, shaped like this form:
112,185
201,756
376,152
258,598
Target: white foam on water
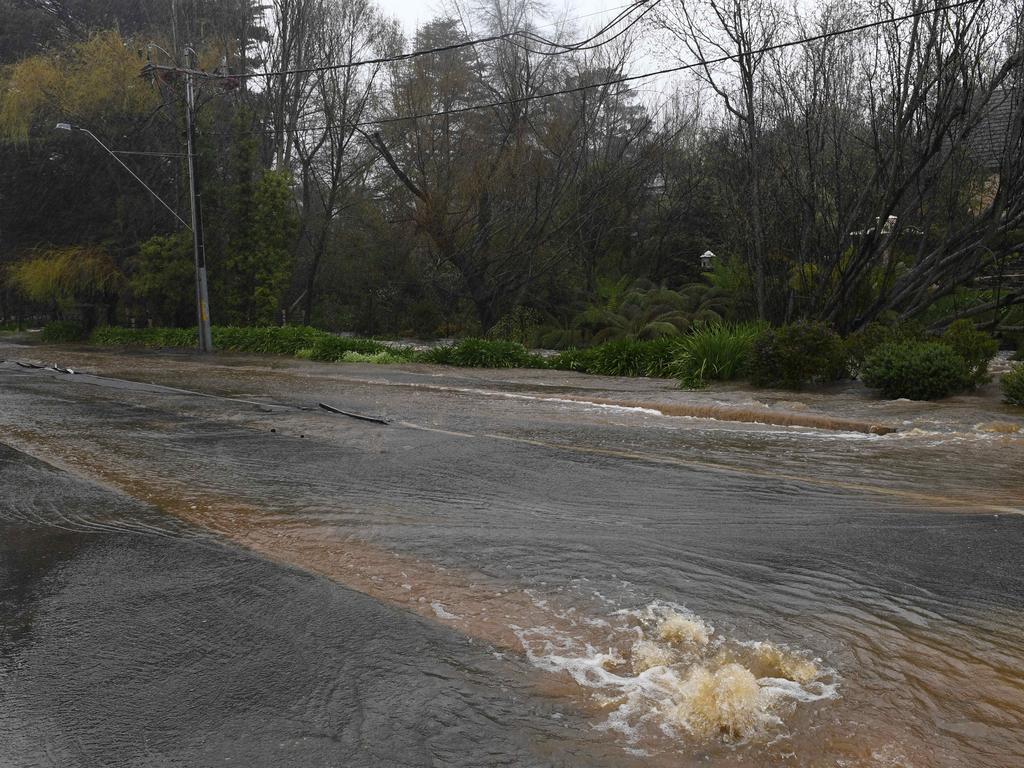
665,672
441,613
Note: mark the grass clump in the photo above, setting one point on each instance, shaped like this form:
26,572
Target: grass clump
62,331
384,357
917,370
624,357
331,349
111,336
579,360
269,340
1013,386
791,356
483,353
713,352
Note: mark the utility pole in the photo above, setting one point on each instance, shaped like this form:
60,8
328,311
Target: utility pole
199,245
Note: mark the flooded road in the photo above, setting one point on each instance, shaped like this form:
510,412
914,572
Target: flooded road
521,568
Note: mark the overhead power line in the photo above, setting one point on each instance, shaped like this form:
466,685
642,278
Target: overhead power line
669,70
656,73
515,36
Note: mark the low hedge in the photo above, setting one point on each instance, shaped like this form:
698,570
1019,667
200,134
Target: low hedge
1013,385
917,370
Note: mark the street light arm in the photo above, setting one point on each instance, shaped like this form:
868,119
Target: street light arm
134,175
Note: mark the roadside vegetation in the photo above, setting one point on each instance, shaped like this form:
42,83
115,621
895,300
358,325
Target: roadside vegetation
897,361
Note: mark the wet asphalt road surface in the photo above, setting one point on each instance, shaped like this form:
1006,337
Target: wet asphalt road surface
246,579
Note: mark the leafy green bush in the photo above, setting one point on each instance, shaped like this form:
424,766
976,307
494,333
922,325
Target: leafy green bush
1013,386
483,353
917,370
60,331
862,343
793,355
713,352
976,347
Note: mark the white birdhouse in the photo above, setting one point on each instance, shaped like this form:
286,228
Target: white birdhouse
705,261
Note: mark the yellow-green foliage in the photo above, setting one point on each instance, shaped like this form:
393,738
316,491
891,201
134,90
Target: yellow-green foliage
68,275
90,82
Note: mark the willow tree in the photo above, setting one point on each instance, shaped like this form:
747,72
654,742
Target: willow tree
76,279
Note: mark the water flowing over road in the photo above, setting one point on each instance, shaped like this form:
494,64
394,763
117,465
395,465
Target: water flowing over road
199,565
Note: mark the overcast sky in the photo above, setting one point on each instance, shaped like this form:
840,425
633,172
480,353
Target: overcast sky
414,12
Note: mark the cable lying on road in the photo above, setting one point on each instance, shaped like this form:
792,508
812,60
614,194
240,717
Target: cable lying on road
362,417
53,367
94,379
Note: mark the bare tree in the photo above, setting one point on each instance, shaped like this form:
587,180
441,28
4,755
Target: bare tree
739,31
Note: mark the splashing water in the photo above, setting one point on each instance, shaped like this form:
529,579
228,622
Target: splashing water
664,676
681,630
726,702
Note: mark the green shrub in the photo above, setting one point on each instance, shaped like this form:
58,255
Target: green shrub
1013,386
917,370
791,356
976,347
61,331
713,352
483,353
862,343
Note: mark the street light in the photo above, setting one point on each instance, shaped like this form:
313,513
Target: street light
80,129
202,298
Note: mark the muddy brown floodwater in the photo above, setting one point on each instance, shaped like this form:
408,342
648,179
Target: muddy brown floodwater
522,568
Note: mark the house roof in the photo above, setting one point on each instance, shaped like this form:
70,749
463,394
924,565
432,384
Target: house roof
990,139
